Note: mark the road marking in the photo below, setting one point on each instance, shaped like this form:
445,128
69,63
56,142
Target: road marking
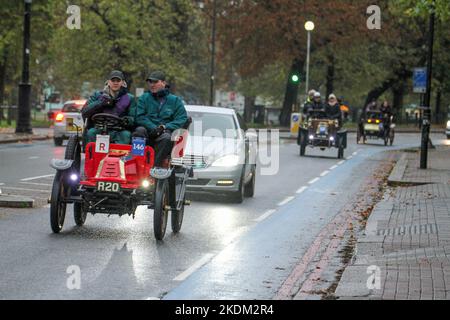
314,180
265,215
182,276
33,158
323,174
333,167
152,298
37,184
355,153
341,162
348,158
302,189
2,184
23,189
40,177
285,201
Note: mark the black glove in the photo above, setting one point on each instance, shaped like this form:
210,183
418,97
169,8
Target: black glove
156,132
127,121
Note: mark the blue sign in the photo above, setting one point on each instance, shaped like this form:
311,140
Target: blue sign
138,146
295,118
420,80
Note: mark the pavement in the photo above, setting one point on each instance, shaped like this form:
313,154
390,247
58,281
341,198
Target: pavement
404,251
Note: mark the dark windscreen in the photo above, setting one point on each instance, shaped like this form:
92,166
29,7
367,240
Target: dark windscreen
72,107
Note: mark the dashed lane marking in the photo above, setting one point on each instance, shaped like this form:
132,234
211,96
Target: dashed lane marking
265,215
341,162
24,189
314,180
39,177
323,174
333,167
301,190
37,184
285,201
197,265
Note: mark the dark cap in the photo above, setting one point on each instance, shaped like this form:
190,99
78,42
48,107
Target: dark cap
156,75
116,74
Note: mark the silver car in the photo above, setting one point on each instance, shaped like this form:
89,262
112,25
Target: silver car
447,130
222,152
68,121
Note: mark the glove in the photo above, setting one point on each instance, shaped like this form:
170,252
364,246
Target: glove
127,121
106,100
154,133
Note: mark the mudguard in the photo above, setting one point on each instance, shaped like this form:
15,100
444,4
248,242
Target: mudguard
61,164
160,173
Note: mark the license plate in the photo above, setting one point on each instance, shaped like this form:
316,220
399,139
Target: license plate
104,186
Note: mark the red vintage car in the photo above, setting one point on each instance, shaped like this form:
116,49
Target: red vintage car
116,179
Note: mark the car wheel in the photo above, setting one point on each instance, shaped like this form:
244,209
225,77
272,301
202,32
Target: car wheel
79,214
448,136
58,141
57,202
302,145
238,196
161,213
177,219
249,190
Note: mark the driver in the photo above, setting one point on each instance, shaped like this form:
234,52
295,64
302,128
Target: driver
316,108
115,100
159,113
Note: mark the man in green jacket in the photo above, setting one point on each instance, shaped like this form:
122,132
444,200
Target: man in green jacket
159,113
115,100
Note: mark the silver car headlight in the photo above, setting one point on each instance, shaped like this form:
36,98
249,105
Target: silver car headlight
230,160
448,124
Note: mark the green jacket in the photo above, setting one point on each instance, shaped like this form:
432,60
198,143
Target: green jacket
172,113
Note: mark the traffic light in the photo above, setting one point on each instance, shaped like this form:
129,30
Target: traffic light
295,78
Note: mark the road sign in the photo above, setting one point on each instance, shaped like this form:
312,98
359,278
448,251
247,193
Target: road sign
420,80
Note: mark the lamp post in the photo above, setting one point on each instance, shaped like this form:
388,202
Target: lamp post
427,100
213,54
309,26
23,124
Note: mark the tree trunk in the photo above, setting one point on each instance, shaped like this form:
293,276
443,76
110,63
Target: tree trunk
330,75
378,91
3,62
397,104
249,104
290,96
438,115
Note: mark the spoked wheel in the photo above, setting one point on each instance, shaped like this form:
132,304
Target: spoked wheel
60,191
302,144
341,148
391,137
79,214
177,219
161,213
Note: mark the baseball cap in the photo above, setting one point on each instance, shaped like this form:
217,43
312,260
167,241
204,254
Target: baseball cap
317,94
156,75
116,74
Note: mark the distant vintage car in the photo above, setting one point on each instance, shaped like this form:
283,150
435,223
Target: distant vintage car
321,132
68,121
222,152
376,125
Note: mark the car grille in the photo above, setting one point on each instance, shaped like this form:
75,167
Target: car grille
195,161
198,182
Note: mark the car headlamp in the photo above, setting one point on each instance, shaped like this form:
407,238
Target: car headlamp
230,160
448,124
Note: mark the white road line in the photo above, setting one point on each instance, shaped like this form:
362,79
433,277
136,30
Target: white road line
37,184
2,184
265,215
33,158
285,201
302,189
182,276
23,189
152,298
323,174
333,167
355,153
341,162
348,158
35,178
314,180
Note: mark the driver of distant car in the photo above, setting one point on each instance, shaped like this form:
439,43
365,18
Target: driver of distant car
115,100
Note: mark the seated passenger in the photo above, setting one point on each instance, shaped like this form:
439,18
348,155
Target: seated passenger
316,109
115,100
333,109
159,113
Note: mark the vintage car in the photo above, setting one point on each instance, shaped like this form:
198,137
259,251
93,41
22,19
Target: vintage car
376,125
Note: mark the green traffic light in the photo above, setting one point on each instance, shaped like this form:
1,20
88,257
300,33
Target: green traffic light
295,78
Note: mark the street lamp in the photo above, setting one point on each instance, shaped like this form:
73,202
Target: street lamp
23,124
309,26
213,54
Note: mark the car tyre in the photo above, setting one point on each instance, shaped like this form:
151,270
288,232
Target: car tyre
238,196
249,190
79,214
161,213
60,191
58,141
177,219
